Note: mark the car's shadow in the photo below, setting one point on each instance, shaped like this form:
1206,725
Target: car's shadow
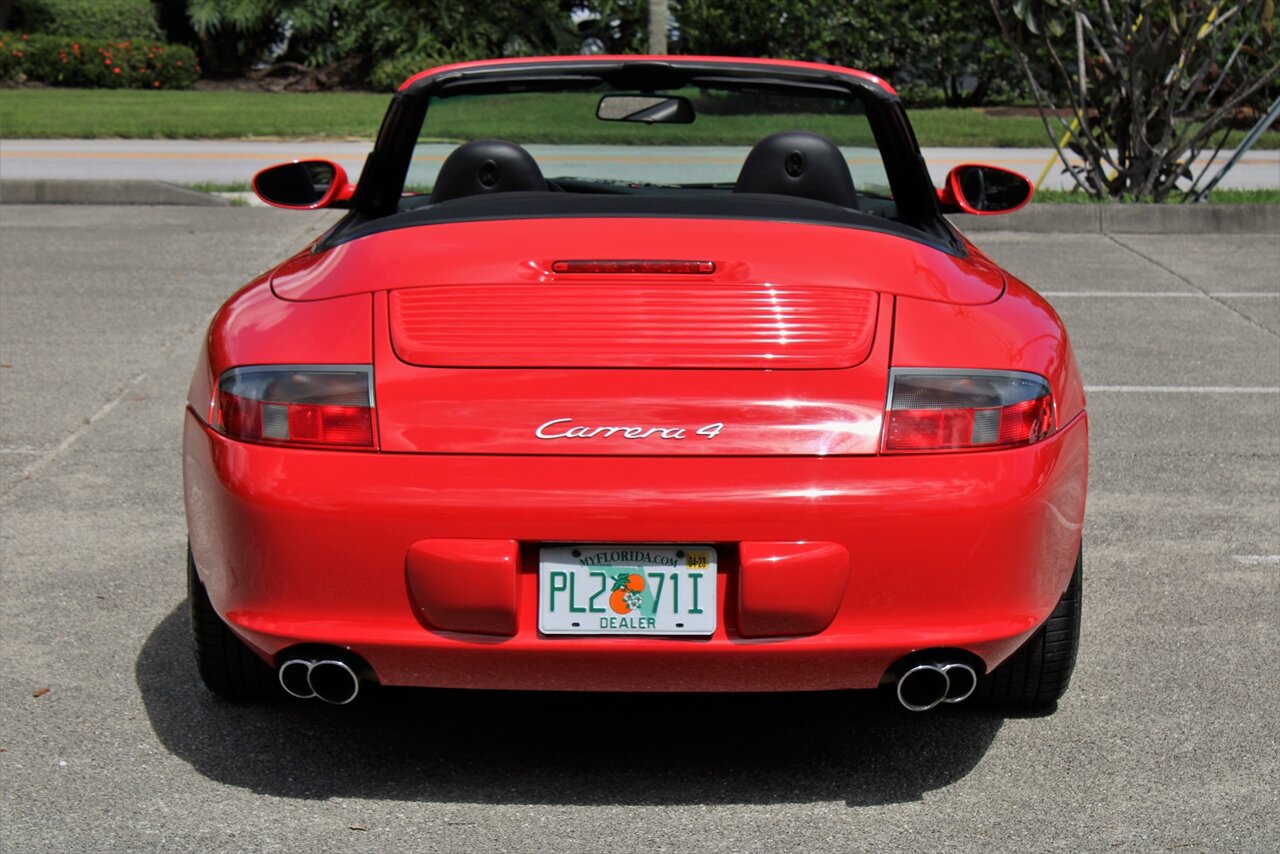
608,748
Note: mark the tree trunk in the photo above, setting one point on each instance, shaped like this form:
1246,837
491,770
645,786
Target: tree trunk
657,26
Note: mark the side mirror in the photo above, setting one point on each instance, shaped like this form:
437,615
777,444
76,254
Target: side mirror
984,190
304,185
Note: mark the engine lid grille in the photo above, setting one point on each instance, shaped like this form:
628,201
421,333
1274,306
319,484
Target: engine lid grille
614,324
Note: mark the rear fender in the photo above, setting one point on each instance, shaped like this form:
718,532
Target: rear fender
255,327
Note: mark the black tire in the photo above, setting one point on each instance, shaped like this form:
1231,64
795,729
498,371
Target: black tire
1037,675
227,667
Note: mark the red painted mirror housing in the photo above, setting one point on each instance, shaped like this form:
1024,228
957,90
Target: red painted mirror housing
304,185
974,188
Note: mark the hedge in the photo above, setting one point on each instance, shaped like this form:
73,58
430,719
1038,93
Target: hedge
99,19
96,63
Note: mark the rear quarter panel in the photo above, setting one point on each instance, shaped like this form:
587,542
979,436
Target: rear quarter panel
1018,332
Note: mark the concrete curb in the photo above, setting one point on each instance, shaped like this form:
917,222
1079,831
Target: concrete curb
1130,219
1043,219
48,192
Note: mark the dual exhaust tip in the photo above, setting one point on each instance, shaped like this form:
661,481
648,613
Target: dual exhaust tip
328,679
925,686
921,688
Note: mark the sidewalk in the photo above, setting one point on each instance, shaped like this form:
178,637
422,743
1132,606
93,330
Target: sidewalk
234,161
151,172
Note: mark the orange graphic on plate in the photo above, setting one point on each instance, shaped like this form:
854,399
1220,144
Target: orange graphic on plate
626,597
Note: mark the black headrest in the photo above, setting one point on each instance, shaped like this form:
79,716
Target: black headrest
487,166
795,163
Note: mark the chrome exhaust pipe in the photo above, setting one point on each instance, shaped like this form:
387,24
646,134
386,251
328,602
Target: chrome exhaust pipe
333,681
962,681
329,679
923,687
294,678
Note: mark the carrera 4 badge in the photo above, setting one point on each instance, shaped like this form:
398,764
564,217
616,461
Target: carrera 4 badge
558,428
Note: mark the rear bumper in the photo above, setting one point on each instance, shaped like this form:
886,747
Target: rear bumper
967,551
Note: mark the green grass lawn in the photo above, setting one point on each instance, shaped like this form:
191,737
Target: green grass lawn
133,114
1219,197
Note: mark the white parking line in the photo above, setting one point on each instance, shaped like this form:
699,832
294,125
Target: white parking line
53,453
1241,295
1184,389
1256,560
1160,294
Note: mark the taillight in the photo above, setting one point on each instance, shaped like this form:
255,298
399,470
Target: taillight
297,405
952,410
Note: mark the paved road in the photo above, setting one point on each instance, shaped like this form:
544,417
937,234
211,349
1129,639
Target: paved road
192,162
1169,739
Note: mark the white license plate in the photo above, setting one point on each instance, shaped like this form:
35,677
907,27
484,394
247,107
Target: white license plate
627,590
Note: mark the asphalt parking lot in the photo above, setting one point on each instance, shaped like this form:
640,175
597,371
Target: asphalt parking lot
1168,740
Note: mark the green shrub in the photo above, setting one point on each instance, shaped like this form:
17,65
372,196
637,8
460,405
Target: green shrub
96,63
390,73
99,19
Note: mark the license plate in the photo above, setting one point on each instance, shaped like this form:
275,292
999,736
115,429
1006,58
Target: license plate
627,590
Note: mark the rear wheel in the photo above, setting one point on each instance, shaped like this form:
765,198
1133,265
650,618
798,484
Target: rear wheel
226,665
1037,675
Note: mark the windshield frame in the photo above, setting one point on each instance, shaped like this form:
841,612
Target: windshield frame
383,179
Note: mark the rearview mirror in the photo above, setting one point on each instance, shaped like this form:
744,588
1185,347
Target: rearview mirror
984,190
304,185
650,109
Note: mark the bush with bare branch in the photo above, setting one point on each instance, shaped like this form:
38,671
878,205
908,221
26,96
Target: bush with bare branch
1140,89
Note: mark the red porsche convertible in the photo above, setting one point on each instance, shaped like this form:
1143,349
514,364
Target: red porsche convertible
638,374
